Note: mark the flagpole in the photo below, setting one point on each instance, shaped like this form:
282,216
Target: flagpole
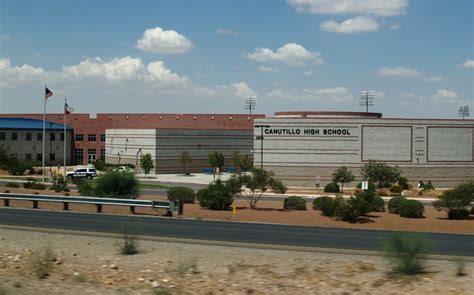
44,132
65,137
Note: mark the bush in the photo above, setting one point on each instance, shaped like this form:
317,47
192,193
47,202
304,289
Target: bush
33,184
403,182
384,192
396,189
350,210
85,188
99,165
12,184
129,245
294,203
411,209
59,184
217,196
331,188
457,201
378,204
458,214
42,262
405,252
115,184
394,204
182,193
327,205
428,186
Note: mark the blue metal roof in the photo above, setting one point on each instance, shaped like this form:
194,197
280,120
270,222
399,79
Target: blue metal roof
23,123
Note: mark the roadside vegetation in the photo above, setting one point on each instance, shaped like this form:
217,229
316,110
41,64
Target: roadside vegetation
112,184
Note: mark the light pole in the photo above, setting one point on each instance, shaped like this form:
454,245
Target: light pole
367,99
261,142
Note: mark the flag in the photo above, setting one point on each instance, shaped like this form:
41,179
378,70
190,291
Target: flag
47,93
68,109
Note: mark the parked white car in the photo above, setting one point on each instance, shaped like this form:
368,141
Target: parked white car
88,173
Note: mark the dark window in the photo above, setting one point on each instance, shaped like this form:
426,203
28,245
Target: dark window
2,135
28,136
14,136
52,157
28,157
52,136
102,137
91,137
39,157
79,137
39,136
79,156
102,154
62,136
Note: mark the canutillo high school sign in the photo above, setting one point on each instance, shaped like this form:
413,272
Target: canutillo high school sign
307,131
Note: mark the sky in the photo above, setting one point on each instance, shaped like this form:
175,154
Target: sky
207,56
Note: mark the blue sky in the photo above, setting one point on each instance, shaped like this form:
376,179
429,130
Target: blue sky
206,56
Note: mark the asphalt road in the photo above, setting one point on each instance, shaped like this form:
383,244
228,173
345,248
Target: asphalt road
446,244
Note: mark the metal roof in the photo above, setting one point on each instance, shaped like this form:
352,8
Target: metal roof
23,123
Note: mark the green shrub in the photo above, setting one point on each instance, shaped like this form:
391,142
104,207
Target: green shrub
99,165
129,243
368,196
458,214
115,184
12,184
371,186
217,196
294,203
327,205
428,186
394,204
182,193
84,187
457,201
331,188
378,204
33,184
411,209
59,184
350,210
403,182
405,252
396,189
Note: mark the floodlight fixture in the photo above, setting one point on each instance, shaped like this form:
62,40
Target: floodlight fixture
367,99
250,104
463,111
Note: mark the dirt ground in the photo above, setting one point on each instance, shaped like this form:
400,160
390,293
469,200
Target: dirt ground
93,265
272,212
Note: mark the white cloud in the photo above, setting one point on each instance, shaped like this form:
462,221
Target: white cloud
394,27
352,25
411,96
157,40
14,76
323,95
375,7
308,72
468,64
6,37
264,69
291,54
242,89
227,32
398,72
445,96
433,79
158,73
380,94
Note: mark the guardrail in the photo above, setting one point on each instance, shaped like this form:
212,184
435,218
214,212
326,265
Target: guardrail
170,206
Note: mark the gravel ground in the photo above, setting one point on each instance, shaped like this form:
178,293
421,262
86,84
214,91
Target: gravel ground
93,265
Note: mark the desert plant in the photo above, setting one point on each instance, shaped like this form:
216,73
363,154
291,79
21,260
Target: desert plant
350,210
411,209
378,204
394,204
457,201
43,262
327,205
343,176
116,184
84,187
246,163
202,197
294,203
331,188
427,187
185,158
182,193
217,196
384,192
406,252
32,183
161,291
216,160
12,184
396,189
129,243
189,266
403,182
379,172
146,163
59,184
99,165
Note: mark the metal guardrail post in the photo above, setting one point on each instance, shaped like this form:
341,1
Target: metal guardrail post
132,209
35,204
6,203
176,207
99,208
65,206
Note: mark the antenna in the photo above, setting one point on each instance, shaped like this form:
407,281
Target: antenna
250,104
463,111
367,99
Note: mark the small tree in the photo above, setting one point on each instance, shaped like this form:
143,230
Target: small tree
237,160
246,163
146,162
217,196
216,160
456,201
380,173
115,184
258,182
343,176
185,158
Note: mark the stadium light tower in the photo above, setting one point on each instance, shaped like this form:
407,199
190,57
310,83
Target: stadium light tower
367,99
463,111
250,104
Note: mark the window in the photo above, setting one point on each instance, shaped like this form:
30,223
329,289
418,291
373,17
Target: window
79,137
52,136
2,135
39,157
102,154
102,137
28,157
14,136
28,136
79,156
91,137
39,136
62,136
52,157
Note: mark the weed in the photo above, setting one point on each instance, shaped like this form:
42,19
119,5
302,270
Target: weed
405,252
188,266
460,270
129,245
42,261
161,291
